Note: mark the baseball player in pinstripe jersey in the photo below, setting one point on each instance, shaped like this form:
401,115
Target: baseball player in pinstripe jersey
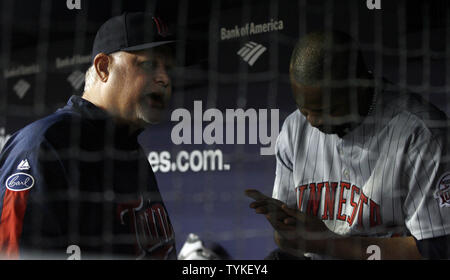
358,164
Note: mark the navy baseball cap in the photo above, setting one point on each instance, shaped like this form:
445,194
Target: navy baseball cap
131,32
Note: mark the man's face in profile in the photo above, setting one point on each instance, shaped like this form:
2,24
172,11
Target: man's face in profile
328,111
142,85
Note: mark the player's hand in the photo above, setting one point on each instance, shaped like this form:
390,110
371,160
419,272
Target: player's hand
306,226
290,223
269,207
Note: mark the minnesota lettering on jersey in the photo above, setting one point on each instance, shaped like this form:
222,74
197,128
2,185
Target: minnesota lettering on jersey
331,210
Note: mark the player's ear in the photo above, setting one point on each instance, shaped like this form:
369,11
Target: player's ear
102,64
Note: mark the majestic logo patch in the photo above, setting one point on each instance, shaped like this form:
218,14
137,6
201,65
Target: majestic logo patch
443,190
20,182
23,165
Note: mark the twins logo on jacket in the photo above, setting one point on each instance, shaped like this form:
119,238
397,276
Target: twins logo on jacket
151,226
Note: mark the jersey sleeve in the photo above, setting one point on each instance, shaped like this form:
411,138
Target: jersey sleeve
22,181
18,178
427,175
284,188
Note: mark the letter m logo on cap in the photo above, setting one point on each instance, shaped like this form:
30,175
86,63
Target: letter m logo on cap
163,29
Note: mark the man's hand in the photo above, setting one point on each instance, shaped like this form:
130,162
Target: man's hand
297,233
271,208
293,229
308,227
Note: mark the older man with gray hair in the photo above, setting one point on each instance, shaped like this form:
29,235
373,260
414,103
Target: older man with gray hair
78,178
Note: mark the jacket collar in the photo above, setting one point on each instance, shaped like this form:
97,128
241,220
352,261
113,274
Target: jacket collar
124,137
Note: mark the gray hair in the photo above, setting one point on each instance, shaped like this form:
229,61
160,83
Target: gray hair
91,75
89,78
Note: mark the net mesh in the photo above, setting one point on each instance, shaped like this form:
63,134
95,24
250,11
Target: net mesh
44,54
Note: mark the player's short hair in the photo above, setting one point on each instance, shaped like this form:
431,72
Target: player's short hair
324,58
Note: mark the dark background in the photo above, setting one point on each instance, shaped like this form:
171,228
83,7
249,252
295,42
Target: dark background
406,42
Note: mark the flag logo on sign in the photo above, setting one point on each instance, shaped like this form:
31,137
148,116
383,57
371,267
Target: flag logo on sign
251,51
76,79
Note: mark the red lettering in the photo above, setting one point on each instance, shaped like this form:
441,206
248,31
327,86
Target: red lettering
161,218
167,223
315,194
361,202
152,224
300,196
350,219
344,186
445,196
330,195
375,217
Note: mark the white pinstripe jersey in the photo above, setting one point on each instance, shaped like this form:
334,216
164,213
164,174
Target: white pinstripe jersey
389,176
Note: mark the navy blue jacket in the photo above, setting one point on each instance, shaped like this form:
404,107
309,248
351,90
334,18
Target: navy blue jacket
78,178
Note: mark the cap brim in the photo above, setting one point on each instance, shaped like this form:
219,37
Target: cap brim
147,46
